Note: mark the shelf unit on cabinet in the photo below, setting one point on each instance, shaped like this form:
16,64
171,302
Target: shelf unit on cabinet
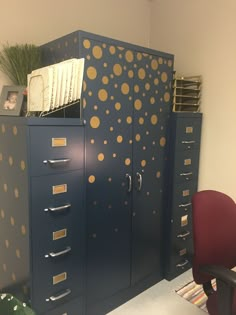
184,150
42,225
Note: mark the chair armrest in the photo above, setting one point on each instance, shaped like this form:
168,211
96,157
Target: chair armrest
221,273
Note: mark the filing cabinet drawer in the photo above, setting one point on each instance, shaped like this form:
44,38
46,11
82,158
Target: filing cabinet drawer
186,166
188,133
55,149
75,307
182,194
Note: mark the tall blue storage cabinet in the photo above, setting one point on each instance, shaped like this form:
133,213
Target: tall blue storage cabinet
126,103
185,137
42,213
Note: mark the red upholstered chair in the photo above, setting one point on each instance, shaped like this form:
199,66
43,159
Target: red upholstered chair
214,238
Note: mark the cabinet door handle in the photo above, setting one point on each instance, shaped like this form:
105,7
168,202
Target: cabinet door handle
185,205
182,264
58,208
129,182
56,161
58,297
183,235
63,252
140,181
188,142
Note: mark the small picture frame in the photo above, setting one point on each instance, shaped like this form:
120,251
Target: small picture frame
11,100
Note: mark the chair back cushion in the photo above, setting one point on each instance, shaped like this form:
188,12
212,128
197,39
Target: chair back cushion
214,231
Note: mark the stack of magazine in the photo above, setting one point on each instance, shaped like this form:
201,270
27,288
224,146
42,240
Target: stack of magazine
56,86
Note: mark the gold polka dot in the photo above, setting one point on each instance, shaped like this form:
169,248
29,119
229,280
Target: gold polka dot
1,157
152,100
16,193
141,74
141,121
13,276
22,165
3,128
102,95
138,137
84,102
139,56
23,230
138,104
154,119
119,139
4,267
5,188
111,128
12,221
7,244
15,131
129,56
130,74
136,88
129,120
158,174
109,180
147,86
94,122
90,93
91,73
10,160
170,63
100,157
91,179
119,120
17,253
84,86
105,141
125,88
127,162
112,50
156,81
154,64
130,141
143,163
97,52
105,80
2,214
160,60
114,155
92,141
162,141
167,97
107,112
75,40
117,69
117,106
164,77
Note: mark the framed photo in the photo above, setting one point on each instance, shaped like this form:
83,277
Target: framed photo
11,100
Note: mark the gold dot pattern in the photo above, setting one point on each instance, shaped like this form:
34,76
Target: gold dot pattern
126,113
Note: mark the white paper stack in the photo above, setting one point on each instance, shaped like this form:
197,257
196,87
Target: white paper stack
55,86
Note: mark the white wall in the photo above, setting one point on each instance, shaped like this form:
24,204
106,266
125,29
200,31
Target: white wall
201,34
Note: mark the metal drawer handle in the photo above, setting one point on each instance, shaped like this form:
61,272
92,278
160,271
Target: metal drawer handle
183,235
129,182
185,205
183,264
58,208
192,141
57,161
58,297
63,252
186,174
140,181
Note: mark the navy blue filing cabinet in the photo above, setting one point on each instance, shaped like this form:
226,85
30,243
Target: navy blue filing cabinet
42,213
184,150
126,99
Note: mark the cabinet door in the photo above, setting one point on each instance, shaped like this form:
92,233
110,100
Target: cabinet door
152,96
107,101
